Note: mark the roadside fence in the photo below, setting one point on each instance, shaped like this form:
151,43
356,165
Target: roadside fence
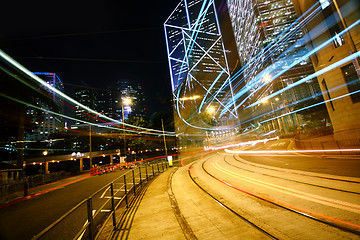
91,217
20,186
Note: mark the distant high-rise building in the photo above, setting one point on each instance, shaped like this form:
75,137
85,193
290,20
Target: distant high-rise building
133,90
110,100
47,123
109,103
87,97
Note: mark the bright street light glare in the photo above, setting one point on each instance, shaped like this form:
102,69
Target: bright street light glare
264,100
267,78
211,110
127,101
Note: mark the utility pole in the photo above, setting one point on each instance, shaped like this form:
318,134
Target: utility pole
90,146
123,123
162,124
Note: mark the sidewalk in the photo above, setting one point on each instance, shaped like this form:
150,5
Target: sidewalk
41,189
155,218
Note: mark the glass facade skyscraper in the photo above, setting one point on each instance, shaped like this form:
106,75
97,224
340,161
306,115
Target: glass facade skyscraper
200,76
47,123
268,42
87,97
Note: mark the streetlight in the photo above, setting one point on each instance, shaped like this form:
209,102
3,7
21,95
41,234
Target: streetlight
45,167
125,101
210,110
267,78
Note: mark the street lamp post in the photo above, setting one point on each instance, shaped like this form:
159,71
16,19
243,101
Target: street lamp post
162,124
125,101
90,147
45,167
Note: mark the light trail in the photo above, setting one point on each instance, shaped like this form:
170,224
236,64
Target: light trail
313,105
66,97
313,215
296,193
252,143
273,46
322,71
258,78
280,152
75,119
301,109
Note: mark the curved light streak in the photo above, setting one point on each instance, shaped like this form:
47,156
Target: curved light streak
75,119
279,152
63,95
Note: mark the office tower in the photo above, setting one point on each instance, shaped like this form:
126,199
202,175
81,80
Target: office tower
131,89
47,123
200,76
109,103
268,42
87,97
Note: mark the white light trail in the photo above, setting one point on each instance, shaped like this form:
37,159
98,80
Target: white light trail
252,143
64,96
290,151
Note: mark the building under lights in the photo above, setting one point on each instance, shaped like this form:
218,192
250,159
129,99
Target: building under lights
46,122
200,76
265,48
111,100
85,96
337,22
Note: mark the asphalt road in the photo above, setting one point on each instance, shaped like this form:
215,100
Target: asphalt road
319,163
25,219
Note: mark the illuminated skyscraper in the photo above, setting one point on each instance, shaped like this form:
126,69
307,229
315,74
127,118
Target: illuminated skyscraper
87,97
110,100
200,76
47,123
268,42
131,89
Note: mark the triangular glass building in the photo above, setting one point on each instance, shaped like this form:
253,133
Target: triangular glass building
200,76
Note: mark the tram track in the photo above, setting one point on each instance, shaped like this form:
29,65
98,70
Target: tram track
340,225
296,173
266,233
291,180
264,225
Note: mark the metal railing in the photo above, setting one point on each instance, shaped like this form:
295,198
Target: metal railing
21,186
89,218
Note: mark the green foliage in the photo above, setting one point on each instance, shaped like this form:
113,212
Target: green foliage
138,121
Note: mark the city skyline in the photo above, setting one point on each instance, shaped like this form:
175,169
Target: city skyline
97,55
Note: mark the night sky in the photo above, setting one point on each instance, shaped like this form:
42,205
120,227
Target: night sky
96,43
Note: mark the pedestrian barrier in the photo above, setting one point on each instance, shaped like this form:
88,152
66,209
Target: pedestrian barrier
89,218
20,187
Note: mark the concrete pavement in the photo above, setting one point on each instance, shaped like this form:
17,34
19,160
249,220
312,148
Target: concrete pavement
155,218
